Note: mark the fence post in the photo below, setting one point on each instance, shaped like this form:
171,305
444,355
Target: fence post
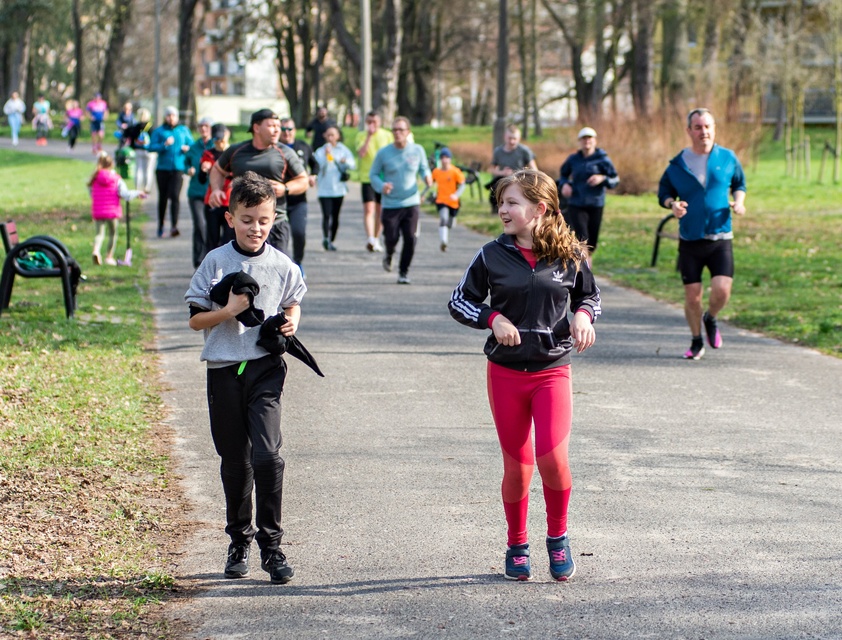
822,165
807,153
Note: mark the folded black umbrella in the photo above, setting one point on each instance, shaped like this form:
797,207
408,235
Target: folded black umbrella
239,283
276,343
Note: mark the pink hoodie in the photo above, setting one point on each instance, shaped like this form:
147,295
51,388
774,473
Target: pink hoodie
105,196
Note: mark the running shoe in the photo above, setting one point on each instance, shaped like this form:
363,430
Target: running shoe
97,259
443,246
387,263
237,565
274,562
712,331
517,563
562,566
696,350
326,244
175,233
369,246
404,279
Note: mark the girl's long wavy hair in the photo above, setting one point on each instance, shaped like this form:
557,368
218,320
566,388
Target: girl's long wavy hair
552,239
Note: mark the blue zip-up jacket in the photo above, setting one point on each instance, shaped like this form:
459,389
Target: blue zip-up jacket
534,300
170,158
577,169
708,208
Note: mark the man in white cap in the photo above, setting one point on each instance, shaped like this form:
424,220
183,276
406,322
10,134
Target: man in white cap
171,141
584,177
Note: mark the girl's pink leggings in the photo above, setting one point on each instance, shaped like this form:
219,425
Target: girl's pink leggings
517,399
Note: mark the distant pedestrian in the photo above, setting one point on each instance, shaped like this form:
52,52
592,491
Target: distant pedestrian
584,177
197,190
698,187
394,174
263,155
126,118
97,110
73,122
138,138
319,125
368,142
335,162
245,381
450,184
171,141
529,275
15,108
217,230
509,157
41,120
107,189
297,204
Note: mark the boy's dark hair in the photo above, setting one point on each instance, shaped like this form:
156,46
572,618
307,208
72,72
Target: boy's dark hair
250,190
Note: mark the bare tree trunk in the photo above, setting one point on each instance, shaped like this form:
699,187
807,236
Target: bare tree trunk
524,66
710,55
675,70
186,41
121,19
386,82
643,53
533,66
78,43
20,79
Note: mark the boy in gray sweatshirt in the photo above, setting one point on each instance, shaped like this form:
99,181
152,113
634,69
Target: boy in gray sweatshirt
245,381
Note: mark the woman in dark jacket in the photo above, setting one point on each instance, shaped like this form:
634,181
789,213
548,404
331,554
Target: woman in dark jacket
584,177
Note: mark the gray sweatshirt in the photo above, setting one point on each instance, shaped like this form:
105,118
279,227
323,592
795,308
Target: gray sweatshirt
281,286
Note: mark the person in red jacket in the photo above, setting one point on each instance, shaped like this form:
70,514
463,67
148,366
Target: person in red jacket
529,275
107,188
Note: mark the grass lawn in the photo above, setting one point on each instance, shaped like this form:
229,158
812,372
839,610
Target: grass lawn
84,472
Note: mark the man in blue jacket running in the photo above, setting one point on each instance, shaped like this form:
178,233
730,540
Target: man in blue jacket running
701,186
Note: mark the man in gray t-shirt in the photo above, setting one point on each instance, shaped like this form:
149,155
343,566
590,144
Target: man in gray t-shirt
509,157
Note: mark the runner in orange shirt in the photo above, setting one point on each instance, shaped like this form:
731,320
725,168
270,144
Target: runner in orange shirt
450,183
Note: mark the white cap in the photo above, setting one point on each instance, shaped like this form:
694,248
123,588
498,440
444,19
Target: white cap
170,111
587,132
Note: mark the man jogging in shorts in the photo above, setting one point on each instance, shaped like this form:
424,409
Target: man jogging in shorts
698,187
263,155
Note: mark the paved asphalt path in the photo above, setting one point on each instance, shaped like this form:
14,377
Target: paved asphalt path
706,494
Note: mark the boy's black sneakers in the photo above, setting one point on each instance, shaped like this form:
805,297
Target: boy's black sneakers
274,562
237,565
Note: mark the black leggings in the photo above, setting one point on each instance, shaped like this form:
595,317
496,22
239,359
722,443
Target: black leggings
169,188
330,216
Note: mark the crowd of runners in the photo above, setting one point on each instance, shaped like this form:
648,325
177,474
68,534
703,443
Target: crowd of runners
531,289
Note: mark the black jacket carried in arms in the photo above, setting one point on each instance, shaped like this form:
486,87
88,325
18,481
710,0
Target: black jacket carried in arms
535,301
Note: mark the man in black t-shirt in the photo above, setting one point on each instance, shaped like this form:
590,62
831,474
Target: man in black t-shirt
263,155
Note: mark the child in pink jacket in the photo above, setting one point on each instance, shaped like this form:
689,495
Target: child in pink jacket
107,188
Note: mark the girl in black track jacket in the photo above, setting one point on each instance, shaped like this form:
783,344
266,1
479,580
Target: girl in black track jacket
532,273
